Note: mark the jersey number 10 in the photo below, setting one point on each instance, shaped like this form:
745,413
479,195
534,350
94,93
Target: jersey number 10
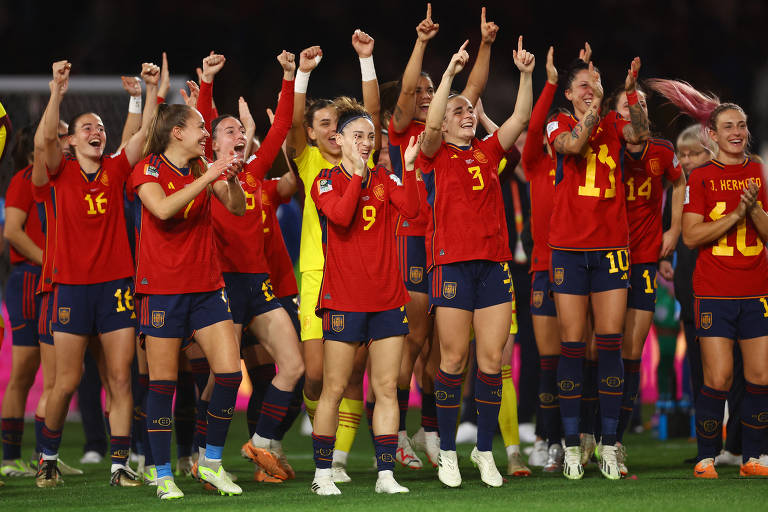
722,248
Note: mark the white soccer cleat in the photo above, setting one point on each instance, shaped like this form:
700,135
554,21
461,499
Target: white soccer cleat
386,484
339,474
149,475
489,473
91,457
609,466
538,457
466,433
527,432
323,485
405,454
448,468
168,490
218,480
515,465
621,459
428,443
726,458
588,446
68,470
572,468
555,457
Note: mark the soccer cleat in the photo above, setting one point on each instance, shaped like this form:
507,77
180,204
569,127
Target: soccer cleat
218,481
466,433
753,467
572,468
609,466
48,474
149,475
588,447
324,486
489,473
184,466
339,473
168,490
554,459
515,466
124,477
448,468
527,432
91,457
705,468
386,484
68,470
17,467
405,454
264,457
140,464
538,457
259,475
428,443
283,460
621,458
764,460
726,458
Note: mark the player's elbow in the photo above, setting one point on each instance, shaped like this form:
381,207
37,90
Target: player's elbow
690,241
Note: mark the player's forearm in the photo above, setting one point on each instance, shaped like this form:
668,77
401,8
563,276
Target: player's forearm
760,220
165,207
676,210
135,145
640,125
296,140
514,126
372,104
49,135
433,131
277,133
573,143
478,77
342,210
23,244
697,233
406,102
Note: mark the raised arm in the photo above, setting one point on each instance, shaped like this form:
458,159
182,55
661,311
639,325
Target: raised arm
487,123
758,215
639,130
296,141
533,147
406,102
212,64
48,130
231,194
670,236
363,44
131,85
478,77
514,126
165,80
150,73
433,132
573,143
405,197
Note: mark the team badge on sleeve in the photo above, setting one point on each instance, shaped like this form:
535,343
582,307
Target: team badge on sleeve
324,186
64,315
552,127
158,319
706,320
151,171
559,276
449,289
337,323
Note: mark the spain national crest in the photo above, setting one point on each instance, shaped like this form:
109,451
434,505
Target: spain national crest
264,198
480,156
655,166
559,276
416,274
706,320
378,191
64,315
449,289
158,319
104,179
538,299
337,323
250,180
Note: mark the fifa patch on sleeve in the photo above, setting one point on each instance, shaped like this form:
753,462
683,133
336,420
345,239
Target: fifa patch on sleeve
250,159
151,171
551,127
687,195
675,161
396,180
324,186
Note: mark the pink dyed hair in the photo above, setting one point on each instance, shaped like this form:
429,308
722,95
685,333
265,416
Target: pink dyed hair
702,107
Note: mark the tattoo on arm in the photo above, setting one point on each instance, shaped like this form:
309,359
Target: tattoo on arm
398,113
576,132
639,121
560,142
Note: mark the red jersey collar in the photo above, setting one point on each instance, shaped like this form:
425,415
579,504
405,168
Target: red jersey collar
349,176
178,171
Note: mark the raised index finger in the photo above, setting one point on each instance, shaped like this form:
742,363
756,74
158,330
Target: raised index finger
520,43
464,46
429,11
482,16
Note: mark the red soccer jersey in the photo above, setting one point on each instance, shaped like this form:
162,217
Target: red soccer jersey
44,197
280,264
176,255
589,212
19,195
468,220
398,142
539,170
362,271
91,239
643,179
736,265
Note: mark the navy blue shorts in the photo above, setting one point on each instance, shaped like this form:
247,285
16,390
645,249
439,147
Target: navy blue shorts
45,319
412,254
23,304
364,327
642,287
180,315
250,295
470,285
292,307
542,302
91,309
585,272
735,319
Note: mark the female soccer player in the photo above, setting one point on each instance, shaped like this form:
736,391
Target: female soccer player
92,268
590,259
240,244
358,208
417,91
724,217
467,254
646,167
179,279
311,143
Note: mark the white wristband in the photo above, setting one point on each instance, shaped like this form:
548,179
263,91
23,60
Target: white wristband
367,69
134,105
301,82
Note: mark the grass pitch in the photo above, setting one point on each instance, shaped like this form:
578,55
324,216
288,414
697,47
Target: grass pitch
659,480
